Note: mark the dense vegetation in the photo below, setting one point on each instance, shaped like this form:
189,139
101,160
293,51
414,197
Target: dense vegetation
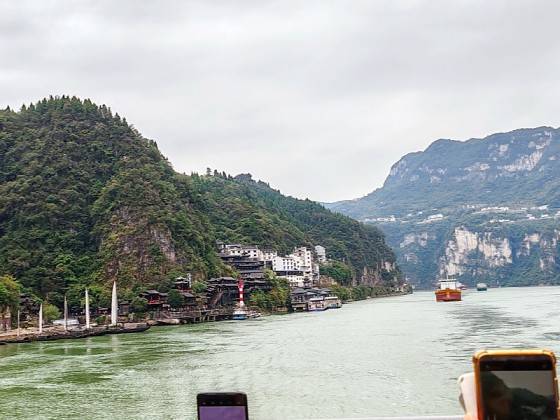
338,271
85,200
361,292
277,298
9,293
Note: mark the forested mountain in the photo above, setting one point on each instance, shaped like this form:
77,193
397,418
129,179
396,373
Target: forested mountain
85,199
483,209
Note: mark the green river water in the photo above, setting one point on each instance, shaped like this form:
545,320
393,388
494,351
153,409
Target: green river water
381,357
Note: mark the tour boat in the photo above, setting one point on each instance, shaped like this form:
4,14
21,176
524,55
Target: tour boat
316,304
333,302
448,291
239,314
481,287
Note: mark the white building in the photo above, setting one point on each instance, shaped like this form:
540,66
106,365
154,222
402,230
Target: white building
269,255
249,251
321,253
284,264
303,256
288,268
252,252
230,249
304,263
298,268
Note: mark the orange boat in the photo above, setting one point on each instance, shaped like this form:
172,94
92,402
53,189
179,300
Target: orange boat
448,291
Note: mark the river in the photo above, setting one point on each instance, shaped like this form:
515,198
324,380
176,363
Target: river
380,357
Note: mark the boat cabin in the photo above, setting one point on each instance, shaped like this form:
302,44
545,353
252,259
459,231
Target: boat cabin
333,302
316,304
450,284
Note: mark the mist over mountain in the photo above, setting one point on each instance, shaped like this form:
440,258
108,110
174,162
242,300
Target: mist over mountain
482,209
85,199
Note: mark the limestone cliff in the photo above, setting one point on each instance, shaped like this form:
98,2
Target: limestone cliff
483,209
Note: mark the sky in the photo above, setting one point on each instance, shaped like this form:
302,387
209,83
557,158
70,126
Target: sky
318,98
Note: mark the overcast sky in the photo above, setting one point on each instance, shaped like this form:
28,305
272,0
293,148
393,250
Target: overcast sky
319,98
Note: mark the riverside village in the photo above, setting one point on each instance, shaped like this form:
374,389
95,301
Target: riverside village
265,282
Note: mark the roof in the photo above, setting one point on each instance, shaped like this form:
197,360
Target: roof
218,279
153,292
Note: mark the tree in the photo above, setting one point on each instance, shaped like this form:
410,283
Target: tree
199,287
9,293
50,312
175,299
138,305
259,299
338,271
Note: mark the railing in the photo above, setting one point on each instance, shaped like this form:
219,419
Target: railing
454,417
197,313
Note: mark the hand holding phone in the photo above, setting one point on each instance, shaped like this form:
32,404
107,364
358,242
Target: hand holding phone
222,406
516,384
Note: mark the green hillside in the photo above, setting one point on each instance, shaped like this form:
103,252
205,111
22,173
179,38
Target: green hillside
85,199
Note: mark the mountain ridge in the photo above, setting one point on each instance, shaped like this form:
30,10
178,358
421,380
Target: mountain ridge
445,208
85,199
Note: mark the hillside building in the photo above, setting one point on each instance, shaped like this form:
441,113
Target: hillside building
321,254
299,268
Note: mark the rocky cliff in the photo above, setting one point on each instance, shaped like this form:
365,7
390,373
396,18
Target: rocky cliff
483,210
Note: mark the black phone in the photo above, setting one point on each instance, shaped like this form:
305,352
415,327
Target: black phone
222,406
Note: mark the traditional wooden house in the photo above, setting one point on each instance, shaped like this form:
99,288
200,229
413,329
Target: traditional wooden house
156,300
313,299
182,284
299,300
124,308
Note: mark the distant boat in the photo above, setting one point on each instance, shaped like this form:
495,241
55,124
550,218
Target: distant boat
316,304
68,322
333,302
481,287
239,314
448,291
254,314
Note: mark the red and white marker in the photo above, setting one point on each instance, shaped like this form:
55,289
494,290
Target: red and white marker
240,287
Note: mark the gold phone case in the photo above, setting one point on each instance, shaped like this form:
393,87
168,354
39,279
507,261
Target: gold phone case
479,355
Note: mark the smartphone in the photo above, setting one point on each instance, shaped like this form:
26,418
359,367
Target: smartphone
516,384
222,406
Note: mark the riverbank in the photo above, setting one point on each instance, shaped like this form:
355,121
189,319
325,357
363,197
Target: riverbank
53,333
357,293
29,335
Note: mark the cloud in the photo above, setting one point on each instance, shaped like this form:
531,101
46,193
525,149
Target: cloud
318,98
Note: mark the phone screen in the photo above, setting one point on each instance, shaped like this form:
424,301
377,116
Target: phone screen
234,412
518,388
222,406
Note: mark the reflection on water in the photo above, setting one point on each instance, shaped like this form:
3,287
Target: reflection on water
392,356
